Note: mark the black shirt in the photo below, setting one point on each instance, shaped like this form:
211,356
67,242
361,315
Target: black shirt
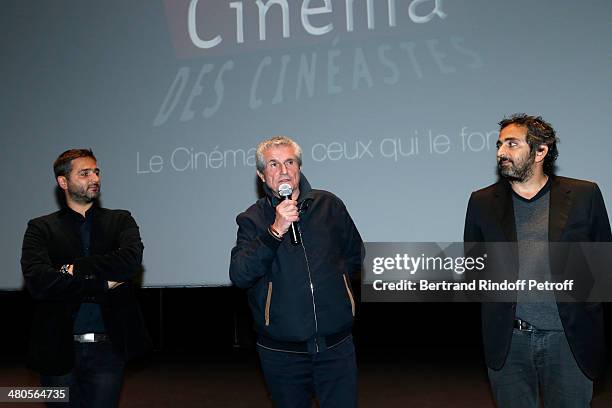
88,318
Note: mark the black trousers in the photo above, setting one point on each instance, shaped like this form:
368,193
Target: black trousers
293,379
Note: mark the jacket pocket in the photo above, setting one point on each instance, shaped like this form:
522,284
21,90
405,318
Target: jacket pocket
268,300
350,294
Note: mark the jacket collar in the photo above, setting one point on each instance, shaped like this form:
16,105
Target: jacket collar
560,202
504,210
305,192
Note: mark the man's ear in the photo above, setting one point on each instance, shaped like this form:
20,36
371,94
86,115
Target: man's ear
62,182
261,176
541,153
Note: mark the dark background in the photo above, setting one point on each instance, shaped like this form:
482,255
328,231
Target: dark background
213,320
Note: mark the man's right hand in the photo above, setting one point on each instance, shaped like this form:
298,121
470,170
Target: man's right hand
286,213
113,285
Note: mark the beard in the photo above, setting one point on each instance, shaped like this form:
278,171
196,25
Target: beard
83,194
518,170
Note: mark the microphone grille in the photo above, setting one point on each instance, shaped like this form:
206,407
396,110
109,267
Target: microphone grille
285,190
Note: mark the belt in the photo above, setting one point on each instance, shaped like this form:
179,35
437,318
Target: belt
91,337
302,346
523,325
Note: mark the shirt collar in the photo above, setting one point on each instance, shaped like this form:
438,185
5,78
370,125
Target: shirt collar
75,216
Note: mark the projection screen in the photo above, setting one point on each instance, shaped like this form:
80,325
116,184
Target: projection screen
394,102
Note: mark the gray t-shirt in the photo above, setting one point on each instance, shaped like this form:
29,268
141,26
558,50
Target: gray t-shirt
531,217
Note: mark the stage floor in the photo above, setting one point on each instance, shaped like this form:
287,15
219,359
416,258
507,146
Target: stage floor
392,378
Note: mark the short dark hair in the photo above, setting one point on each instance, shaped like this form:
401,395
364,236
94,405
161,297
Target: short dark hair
539,132
62,166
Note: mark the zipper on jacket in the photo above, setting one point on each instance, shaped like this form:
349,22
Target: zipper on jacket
314,306
268,300
350,294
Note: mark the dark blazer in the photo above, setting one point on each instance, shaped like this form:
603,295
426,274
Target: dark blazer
116,255
577,214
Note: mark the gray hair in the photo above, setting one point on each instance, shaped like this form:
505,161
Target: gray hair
273,142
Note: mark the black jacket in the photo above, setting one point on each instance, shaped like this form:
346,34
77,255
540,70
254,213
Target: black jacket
577,214
298,292
116,255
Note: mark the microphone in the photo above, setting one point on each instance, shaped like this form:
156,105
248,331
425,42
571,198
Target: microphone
285,191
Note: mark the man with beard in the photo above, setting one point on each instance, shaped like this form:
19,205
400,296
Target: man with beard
78,264
295,253
544,345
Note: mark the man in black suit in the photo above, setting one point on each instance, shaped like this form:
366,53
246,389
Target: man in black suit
546,345
78,264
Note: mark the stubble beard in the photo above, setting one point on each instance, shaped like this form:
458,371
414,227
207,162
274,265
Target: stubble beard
517,173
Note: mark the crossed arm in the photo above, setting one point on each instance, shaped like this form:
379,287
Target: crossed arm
86,277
